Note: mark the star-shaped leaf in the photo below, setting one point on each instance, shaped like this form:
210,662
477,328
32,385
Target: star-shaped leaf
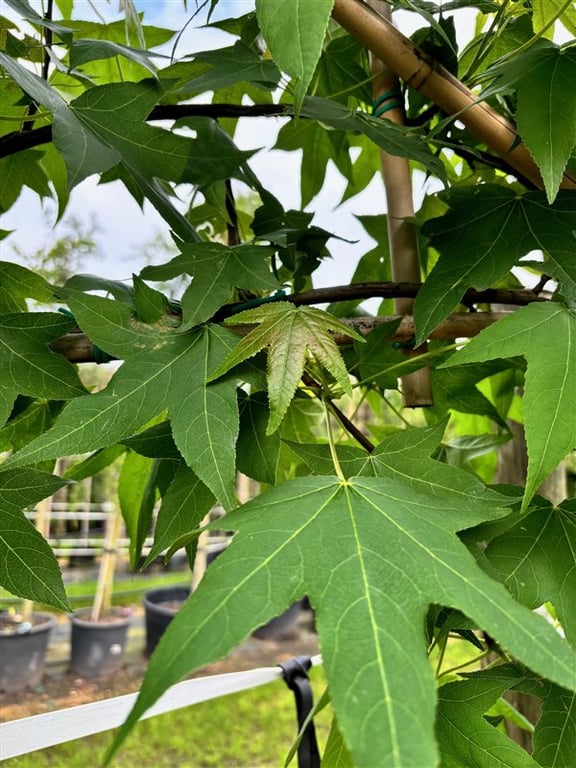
83,153
545,335
537,560
546,108
22,545
465,737
372,554
183,508
294,34
289,333
486,230
216,270
28,365
163,370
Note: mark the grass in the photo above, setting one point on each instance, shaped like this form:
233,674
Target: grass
127,589
252,729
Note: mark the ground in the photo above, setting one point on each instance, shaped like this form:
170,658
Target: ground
60,689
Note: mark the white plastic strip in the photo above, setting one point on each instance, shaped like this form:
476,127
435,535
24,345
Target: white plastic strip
19,737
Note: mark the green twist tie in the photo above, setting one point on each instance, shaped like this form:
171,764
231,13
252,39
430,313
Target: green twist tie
410,344
379,105
278,296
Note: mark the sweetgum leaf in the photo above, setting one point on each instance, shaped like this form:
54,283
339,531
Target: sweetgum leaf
22,544
29,366
294,32
83,152
544,334
486,230
216,270
163,370
372,554
546,108
184,506
289,333
464,735
537,560
148,150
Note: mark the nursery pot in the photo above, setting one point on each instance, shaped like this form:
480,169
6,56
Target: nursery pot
160,607
23,647
98,646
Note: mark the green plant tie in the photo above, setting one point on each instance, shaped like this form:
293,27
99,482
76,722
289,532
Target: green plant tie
278,296
387,101
409,344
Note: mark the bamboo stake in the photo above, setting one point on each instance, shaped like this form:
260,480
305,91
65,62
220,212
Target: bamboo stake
402,235
436,83
102,598
42,524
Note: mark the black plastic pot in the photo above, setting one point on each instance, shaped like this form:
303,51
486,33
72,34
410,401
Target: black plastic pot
23,651
98,646
160,607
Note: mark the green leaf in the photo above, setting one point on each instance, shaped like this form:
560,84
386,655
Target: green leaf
83,51
258,452
18,283
397,140
163,370
28,567
156,442
151,151
136,496
83,152
184,506
294,32
335,753
19,170
554,737
546,110
544,335
537,561
238,63
28,423
464,735
288,332
487,229
93,464
545,10
318,147
29,366
216,270
150,304
24,9
372,554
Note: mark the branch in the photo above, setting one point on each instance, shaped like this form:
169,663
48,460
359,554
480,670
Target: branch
17,141
514,296
77,347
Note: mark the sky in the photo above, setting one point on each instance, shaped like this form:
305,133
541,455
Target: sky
125,231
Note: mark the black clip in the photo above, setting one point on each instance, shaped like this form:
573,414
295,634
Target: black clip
295,673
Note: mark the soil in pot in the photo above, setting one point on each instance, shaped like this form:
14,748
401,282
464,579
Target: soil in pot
23,647
98,646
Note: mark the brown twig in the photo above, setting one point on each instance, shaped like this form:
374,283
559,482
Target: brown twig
17,141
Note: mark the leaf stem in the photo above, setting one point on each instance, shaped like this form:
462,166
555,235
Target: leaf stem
468,663
332,445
